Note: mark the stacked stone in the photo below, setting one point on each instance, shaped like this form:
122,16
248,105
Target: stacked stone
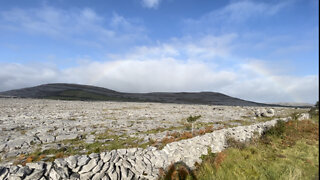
134,163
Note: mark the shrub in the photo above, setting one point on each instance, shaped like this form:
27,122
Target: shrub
192,119
235,144
186,135
277,130
178,171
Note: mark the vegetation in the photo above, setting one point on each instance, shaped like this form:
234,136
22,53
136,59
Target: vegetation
192,119
176,136
103,142
289,150
85,95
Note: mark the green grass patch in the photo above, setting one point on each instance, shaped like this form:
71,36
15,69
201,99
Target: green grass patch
160,129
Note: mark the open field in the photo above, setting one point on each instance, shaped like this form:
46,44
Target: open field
47,129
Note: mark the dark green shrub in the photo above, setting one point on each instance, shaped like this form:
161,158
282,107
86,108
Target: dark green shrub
277,130
192,119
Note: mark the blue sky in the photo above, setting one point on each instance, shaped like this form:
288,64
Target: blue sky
264,51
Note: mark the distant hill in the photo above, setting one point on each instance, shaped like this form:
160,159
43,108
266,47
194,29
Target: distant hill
295,104
64,91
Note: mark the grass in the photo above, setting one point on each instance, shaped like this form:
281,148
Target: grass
289,150
160,129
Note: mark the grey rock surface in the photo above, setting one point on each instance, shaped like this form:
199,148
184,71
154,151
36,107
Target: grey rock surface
27,124
136,163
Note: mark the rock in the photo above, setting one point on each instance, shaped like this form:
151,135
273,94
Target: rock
37,165
54,175
86,176
83,160
271,112
14,169
125,174
60,162
98,176
47,138
16,144
66,136
3,146
75,176
102,173
98,167
72,161
3,172
257,113
94,155
264,113
105,156
121,151
63,172
130,174
14,177
36,174
112,171
88,167
90,139
303,116
48,169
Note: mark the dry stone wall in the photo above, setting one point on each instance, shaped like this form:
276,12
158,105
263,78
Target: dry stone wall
134,163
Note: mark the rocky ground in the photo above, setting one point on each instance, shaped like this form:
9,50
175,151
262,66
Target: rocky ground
33,129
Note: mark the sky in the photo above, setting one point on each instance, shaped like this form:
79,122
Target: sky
264,51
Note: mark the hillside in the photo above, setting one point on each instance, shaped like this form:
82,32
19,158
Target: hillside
64,91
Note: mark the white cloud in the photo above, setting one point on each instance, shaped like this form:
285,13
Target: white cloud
240,11
258,79
83,26
203,48
150,3
233,14
14,75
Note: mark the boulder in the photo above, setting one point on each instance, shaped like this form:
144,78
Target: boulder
303,116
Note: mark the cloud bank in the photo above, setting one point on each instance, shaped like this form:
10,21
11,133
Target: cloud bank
160,68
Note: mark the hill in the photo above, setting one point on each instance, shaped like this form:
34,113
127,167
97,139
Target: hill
65,91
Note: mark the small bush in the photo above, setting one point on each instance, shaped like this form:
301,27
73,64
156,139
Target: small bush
219,159
235,144
173,134
208,129
201,132
192,119
167,140
277,130
178,171
186,135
